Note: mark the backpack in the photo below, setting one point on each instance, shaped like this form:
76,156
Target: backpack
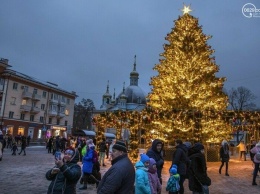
95,156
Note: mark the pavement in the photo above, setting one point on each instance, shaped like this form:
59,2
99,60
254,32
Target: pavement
26,174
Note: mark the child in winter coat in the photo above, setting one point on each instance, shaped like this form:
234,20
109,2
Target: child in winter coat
173,182
14,149
155,184
142,185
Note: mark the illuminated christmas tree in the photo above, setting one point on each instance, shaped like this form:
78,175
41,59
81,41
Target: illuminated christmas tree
186,95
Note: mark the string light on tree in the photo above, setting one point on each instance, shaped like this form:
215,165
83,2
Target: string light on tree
186,85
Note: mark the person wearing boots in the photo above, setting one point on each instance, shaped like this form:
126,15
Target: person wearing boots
242,150
102,152
14,149
224,156
88,167
23,146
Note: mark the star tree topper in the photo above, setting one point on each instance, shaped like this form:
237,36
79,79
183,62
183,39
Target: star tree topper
186,9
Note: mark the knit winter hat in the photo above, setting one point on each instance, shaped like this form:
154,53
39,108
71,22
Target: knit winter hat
173,170
150,167
119,145
70,151
144,158
187,144
90,141
198,146
175,166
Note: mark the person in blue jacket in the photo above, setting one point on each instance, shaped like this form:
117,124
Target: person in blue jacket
87,167
142,185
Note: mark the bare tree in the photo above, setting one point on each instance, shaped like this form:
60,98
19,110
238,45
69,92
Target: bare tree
83,114
241,99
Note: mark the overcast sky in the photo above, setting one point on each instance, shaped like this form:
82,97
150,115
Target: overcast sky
81,44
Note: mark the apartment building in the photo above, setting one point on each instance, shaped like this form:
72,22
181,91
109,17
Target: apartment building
32,107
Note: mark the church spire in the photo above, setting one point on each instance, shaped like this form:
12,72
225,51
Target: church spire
114,95
124,88
106,97
134,75
135,64
107,87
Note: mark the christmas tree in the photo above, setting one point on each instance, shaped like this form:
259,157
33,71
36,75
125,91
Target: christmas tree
187,97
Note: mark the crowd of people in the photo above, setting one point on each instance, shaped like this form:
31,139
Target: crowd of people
8,141
188,164
83,157
145,177
80,149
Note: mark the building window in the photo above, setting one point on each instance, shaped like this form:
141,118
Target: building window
13,99
21,130
50,120
42,106
58,121
24,102
10,130
68,101
54,96
25,88
63,99
31,117
54,108
22,116
41,119
39,134
33,104
34,91
15,86
66,112
66,123
62,109
44,94
11,115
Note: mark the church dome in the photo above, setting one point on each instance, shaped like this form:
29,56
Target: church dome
134,94
134,73
107,95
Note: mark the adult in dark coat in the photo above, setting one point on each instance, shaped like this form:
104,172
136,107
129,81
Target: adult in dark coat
198,168
120,177
23,146
224,156
50,143
155,152
180,158
65,175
